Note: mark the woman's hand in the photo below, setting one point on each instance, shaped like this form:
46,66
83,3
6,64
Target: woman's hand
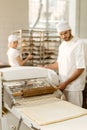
29,56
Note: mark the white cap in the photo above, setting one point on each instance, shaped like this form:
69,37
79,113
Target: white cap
12,38
63,26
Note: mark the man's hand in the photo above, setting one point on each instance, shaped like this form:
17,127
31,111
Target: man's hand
62,86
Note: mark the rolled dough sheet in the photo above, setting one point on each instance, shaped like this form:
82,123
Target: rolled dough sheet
45,114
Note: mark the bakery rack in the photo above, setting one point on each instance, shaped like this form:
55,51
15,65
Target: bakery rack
43,45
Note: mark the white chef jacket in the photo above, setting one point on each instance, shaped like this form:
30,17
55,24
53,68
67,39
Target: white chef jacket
71,57
12,54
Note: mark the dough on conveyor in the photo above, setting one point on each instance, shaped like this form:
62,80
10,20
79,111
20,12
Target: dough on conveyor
58,111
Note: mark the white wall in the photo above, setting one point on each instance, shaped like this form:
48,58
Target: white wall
83,18
74,16
13,16
78,18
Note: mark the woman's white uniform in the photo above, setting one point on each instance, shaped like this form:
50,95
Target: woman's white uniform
12,54
71,57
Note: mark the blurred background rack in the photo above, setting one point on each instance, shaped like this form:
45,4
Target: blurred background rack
43,45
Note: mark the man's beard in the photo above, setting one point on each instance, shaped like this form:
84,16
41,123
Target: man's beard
68,38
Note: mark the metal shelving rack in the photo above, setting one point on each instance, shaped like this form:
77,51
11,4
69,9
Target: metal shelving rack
43,45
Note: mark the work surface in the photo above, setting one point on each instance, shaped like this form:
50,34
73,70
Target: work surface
72,124
50,113
53,112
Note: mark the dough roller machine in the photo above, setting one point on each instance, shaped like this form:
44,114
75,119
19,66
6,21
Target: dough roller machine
30,100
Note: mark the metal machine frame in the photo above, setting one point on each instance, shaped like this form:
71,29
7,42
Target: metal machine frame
15,120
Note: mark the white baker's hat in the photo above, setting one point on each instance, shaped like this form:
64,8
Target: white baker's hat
63,26
12,38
